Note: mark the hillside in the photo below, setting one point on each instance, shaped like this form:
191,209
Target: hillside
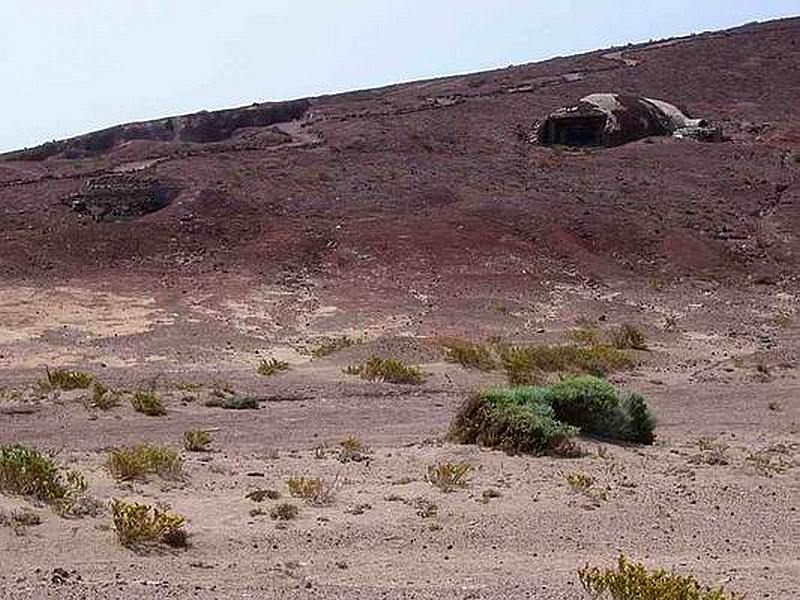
245,267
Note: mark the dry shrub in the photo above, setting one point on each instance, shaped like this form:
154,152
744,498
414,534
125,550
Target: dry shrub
525,365
333,345
633,581
314,491
389,370
63,379
448,476
468,354
272,366
196,440
629,336
140,523
148,403
135,462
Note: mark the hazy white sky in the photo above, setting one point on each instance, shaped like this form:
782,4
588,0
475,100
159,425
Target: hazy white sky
71,66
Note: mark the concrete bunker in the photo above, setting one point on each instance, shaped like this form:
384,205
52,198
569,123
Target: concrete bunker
600,120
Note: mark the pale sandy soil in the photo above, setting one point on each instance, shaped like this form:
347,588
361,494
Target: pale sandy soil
734,523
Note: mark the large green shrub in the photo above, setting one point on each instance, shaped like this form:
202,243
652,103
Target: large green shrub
540,419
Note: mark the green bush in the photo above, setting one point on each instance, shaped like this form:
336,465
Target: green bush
541,419
499,419
598,408
633,581
27,472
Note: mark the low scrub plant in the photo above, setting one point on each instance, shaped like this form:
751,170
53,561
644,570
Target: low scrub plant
333,345
25,471
284,511
239,403
135,462
389,370
633,581
148,403
448,476
196,440
543,419
468,354
272,366
63,379
140,523
314,491
261,495
352,444
526,365
629,336
104,398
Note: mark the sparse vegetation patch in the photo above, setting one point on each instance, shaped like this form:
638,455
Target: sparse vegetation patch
148,403
333,345
63,379
27,472
389,370
525,365
125,464
629,336
272,366
633,581
196,440
448,476
312,490
468,354
140,523
542,419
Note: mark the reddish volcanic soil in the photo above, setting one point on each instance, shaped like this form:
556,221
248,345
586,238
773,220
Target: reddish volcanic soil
176,255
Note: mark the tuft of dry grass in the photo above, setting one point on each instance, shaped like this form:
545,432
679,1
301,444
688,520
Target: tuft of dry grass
468,354
332,345
314,491
148,403
389,370
63,379
448,476
196,440
135,462
103,397
629,336
272,366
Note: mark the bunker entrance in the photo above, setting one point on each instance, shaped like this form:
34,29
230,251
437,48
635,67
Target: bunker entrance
578,131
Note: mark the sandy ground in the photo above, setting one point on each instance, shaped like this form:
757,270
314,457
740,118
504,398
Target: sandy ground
716,496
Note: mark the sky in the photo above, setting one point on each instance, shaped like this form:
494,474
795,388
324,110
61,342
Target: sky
73,66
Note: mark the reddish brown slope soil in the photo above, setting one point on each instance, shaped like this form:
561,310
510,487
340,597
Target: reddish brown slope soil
435,180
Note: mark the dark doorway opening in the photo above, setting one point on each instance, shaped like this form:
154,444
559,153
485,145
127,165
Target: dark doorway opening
578,131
